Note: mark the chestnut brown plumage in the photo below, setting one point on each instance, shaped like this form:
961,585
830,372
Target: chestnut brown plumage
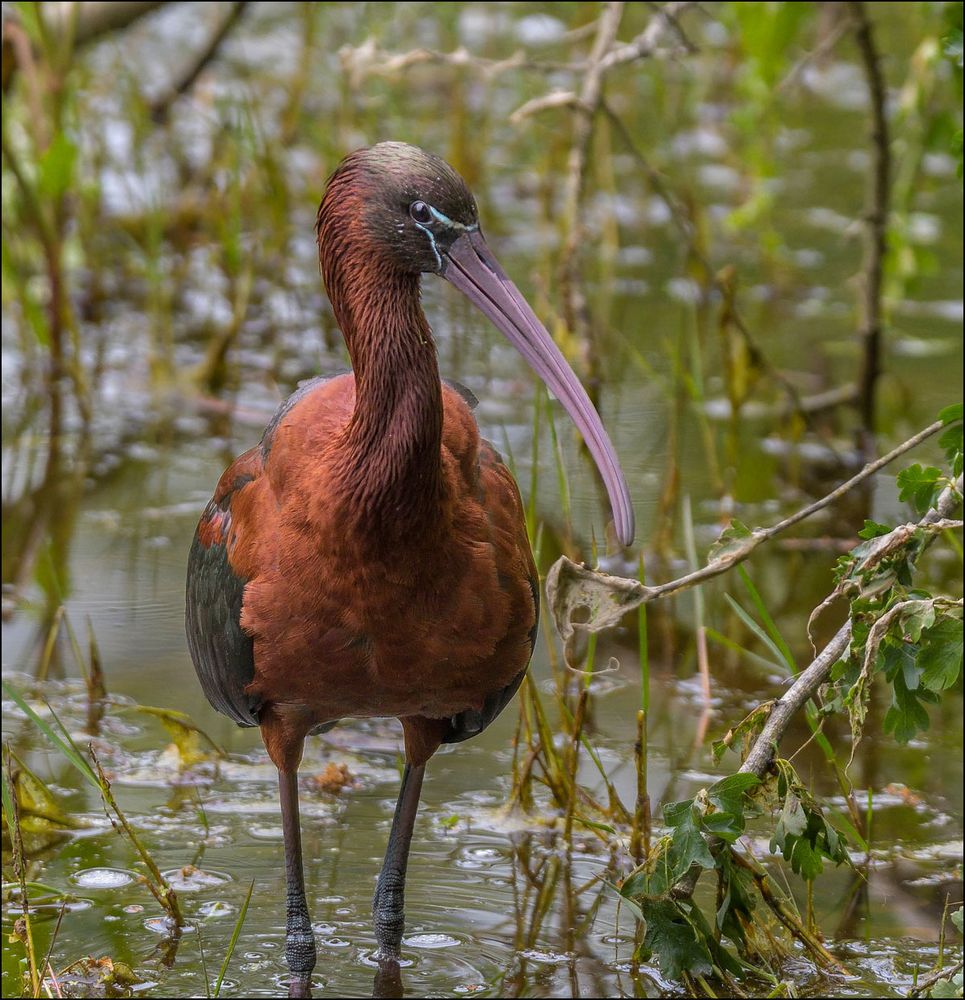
369,557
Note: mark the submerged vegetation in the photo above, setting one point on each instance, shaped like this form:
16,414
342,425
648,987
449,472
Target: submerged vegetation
742,223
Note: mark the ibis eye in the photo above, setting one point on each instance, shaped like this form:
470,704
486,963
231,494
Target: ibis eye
419,211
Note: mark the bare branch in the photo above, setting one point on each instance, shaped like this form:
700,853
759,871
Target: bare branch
588,102
554,99
88,21
161,107
783,710
876,223
607,598
926,983
647,43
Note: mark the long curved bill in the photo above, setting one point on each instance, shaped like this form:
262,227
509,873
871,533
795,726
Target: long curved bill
471,267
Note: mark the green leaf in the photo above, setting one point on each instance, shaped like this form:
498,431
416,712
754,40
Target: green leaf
957,919
772,630
688,845
919,486
872,529
55,169
906,717
940,658
673,939
761,634
950,988
805,859
793,820
61,740
733,539
737,899
951,443
727,798
802,833
235,934
951,413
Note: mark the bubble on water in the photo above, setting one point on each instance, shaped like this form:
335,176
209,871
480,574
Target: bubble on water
334,942
266,832
544,957
166,926
370,959
431,941
215,908
478,857
103,878
191,879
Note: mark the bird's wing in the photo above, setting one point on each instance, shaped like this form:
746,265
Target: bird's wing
223,653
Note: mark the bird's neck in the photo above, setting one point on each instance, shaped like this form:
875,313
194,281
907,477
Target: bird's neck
390,464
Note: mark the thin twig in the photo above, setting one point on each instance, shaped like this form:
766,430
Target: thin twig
161,107
157,883
627,593
588,101
876,224
936,977
712,278
823,48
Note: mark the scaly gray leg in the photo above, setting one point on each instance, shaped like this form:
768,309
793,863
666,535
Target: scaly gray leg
389,903
299,938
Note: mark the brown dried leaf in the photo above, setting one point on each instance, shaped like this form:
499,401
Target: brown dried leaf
588,600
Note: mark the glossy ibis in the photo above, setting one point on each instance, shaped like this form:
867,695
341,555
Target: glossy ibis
369,557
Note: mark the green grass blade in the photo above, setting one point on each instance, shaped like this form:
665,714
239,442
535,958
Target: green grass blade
235,934
758,631
772,630
63,743
723,640
7,802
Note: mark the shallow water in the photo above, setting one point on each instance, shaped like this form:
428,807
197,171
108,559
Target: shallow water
478,880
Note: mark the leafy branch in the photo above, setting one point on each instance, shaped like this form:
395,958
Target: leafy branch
914,638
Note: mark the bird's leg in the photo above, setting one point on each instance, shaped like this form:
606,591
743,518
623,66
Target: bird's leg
299,938
388,905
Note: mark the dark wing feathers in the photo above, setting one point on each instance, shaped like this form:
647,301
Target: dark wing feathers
223,655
